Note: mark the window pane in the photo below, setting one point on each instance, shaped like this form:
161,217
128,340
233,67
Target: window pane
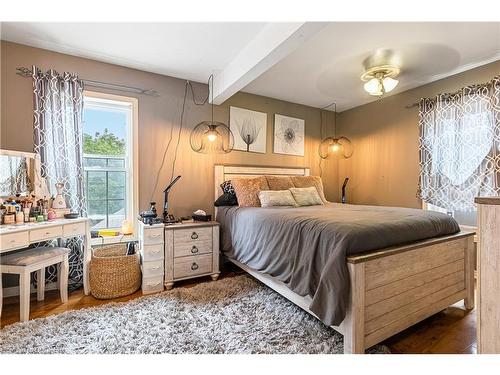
116,185
94,162
116,163
116,213
97,214
96,185
104,131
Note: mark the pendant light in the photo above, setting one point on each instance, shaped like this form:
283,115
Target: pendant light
331,146
211,136
380,80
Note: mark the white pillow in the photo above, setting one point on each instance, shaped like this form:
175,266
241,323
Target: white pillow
271,198
306,196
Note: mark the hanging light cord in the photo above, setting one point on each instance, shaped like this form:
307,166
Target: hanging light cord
321,129
187,85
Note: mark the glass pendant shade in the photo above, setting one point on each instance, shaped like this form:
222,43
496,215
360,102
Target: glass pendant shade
335,146
389,83
211,137
374,87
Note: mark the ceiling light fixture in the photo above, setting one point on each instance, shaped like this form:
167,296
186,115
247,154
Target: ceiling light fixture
380,79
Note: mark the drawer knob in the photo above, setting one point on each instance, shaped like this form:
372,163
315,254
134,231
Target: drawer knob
194,266
194,250
194,236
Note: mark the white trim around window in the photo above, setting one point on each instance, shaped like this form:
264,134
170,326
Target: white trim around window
133,149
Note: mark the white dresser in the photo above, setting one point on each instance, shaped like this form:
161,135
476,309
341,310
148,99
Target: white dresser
177,252
152,249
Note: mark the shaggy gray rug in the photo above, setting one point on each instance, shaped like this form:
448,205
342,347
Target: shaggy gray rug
232,315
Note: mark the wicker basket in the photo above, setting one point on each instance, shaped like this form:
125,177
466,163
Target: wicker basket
112,273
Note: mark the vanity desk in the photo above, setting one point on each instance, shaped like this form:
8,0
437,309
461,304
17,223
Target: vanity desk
18,236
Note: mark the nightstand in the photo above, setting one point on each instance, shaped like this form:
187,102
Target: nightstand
191,250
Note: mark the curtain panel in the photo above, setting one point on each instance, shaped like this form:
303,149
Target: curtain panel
58,139
460,146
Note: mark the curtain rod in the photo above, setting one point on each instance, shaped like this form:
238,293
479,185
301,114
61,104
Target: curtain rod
471,87
27,73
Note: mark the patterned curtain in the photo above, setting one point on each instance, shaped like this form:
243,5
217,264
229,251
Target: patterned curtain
58,112
460,146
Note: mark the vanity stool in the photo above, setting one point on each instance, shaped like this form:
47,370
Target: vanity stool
27,261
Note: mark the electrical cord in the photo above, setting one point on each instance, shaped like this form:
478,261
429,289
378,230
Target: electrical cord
187,85
321,129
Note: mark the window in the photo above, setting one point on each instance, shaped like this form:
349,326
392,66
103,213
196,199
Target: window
110,159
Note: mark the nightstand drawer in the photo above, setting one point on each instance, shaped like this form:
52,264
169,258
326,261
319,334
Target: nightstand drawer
186,238
45,234
192,266
152,252
154,268
153,236
195,247
14,240
152,284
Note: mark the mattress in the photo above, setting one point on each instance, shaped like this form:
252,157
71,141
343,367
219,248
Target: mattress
306,247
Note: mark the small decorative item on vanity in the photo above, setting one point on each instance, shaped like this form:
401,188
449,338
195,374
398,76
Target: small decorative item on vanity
59,201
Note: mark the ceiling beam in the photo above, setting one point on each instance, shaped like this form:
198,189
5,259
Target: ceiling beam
272,44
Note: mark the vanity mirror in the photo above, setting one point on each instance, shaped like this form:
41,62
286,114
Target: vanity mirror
19,174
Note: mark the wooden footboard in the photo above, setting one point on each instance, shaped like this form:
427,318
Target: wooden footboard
397,287
394,288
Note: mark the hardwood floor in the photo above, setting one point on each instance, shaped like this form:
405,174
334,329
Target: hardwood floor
449,332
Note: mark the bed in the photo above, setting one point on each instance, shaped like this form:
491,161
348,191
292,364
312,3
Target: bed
388,288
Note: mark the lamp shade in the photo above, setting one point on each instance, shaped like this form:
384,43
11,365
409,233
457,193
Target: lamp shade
211,137
335,146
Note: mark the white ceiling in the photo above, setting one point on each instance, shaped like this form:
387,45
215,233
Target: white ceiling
185,50
327,68
323,68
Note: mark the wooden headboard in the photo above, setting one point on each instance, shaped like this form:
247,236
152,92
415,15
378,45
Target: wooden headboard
226,172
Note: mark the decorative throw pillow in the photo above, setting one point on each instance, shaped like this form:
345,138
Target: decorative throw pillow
226,199
247,190
306,196
271,198
308,181
227,187
279,182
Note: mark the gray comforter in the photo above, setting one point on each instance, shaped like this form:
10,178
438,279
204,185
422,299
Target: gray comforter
306,247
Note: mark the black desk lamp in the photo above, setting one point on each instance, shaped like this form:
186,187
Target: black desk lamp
166,217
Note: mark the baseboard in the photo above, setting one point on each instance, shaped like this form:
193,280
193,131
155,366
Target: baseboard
13,291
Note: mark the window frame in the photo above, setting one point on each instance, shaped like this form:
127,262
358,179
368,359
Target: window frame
132,162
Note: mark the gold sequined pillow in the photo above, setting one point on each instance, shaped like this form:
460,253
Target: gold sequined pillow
247,190
308,181
279,182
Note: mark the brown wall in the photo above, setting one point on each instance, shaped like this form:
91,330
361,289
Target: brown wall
156,117
384,169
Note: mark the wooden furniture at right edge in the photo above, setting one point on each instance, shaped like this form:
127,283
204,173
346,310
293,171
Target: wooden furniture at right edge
488,280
